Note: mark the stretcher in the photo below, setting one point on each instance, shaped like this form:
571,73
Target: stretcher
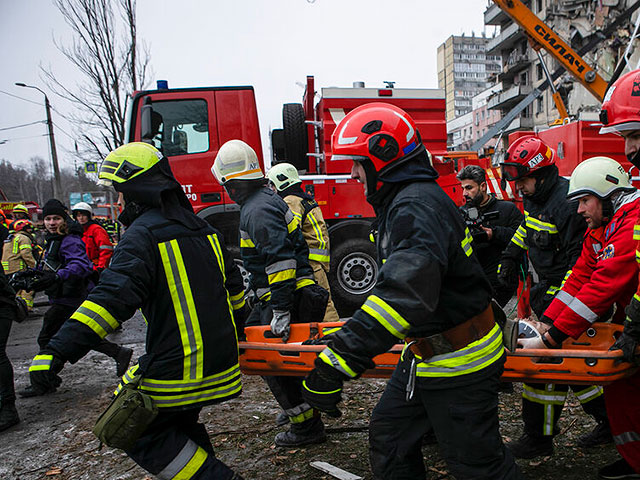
585,361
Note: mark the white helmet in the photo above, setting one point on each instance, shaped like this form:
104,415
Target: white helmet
599,176
236,161
283,175
83,207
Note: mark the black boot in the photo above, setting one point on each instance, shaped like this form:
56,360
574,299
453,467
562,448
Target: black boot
122,359
8,416
618,470
32,391
282,419
600,435
528,446
305,433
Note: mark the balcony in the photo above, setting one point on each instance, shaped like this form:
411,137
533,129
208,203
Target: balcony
509,98
507,39
520,123
516,62
494,15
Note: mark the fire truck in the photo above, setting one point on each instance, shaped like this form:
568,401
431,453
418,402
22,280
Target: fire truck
190,124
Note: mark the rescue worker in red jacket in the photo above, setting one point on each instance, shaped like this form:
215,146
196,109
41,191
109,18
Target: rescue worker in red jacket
431,287
620,115
96,238
551,234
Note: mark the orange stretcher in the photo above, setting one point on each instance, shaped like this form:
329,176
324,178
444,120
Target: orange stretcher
585,361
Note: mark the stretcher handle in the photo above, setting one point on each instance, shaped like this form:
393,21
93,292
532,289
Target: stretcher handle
529,352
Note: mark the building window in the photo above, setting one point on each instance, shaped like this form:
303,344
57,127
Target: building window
539,71
539,105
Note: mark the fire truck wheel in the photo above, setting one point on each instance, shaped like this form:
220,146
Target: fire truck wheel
353,274
295,135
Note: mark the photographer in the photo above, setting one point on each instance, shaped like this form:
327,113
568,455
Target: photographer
491,222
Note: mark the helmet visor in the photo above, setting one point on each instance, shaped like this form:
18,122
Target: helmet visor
513,171
355,158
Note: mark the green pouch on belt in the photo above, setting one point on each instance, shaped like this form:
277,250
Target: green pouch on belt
128,416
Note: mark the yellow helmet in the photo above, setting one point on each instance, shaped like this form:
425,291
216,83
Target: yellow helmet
283,175
20,208
127,162
236,161
599,176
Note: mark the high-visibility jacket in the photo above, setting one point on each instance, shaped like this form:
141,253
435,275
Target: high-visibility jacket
99,246
17,252
186,284
604,275
551,231
314,229
273,249
428,282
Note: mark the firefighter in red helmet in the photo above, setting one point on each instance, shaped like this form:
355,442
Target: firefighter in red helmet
551,234
430,291
620,114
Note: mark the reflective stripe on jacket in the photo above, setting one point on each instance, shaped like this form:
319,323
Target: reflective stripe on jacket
185,282
99,246
17,253
314,230
273,249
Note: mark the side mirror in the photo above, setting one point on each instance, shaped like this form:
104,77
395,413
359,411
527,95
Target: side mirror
146,129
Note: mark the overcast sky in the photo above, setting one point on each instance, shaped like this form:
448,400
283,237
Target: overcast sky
270,44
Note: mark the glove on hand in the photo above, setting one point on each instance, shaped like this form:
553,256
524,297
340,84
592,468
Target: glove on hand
42,372
630,338
534,342
280,324
508,272
322,389
45,280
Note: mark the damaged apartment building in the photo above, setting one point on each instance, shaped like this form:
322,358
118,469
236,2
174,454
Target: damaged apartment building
576,21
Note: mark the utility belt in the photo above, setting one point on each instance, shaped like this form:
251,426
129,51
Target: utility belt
455,338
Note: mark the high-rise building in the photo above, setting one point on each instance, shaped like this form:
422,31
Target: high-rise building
463,71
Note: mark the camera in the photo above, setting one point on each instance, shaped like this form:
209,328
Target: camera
475,219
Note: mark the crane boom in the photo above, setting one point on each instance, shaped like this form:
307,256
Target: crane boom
544,36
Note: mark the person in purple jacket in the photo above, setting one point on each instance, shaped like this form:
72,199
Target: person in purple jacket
65,278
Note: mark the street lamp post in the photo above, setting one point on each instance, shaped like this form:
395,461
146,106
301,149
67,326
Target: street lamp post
57,185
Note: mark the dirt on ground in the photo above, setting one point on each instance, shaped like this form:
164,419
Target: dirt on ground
54,439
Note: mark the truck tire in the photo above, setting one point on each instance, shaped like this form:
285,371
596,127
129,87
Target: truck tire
353,274
295,135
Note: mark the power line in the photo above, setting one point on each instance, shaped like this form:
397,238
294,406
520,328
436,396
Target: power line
21,138
63,131
21,98
23,125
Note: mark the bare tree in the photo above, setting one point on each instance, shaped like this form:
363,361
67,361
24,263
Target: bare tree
113,62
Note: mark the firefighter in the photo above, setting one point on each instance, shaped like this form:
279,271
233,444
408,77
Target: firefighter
498,219
20,212
17,254
620,115
276,256
285,180
431,293
4,228
174,267
96,238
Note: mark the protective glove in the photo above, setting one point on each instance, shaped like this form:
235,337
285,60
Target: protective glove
322,389
628,345
534,342
280,324
508,272
42,372
45,280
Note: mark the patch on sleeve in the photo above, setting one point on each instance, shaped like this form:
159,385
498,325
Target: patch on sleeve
608,252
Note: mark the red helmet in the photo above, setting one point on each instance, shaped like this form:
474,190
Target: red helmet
379,132
525,156
21,225
621,107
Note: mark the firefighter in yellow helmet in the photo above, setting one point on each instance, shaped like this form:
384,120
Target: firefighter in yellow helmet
284,178
175,268
20,212
17,254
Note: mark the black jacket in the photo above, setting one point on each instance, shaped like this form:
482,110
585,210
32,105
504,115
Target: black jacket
177,277
507,220
273,249
428,280
552,230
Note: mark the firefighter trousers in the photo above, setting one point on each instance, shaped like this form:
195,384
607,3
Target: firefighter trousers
175,445
623,406
7,392
319,273
542,406
286,390
464,419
